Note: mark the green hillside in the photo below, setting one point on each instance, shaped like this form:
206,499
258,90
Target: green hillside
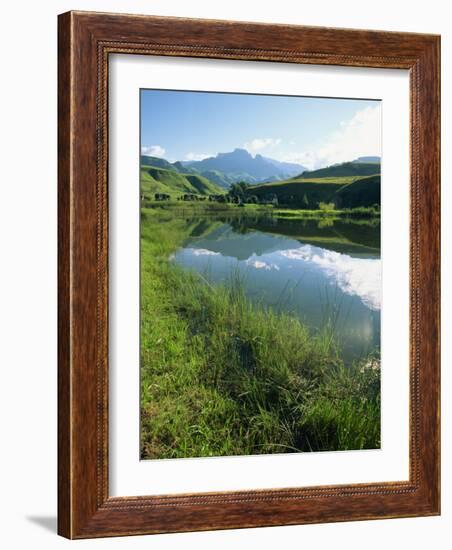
362,192
344,192
161,180
183,169
226,179
158,162
202,185
220,178
344,169
296,193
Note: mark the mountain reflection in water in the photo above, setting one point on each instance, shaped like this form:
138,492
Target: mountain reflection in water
320,274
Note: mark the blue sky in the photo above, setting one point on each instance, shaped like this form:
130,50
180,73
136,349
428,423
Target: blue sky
312,131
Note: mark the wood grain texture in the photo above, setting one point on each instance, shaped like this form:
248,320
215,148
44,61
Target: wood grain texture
85,42
64,294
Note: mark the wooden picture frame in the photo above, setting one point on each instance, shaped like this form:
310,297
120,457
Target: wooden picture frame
86,40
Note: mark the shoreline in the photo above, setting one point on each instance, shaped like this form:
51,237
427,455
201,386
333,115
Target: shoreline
252,209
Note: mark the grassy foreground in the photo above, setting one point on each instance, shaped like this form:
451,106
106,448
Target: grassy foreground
222,376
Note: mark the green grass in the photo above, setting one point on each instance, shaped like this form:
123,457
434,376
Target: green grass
345,169
206,208
333,213
223,376
339,180
161,180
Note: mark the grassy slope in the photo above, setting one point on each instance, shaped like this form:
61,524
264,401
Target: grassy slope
161,180
347,185
362,192
344,169
221,376
339,180
298,192
156,162
308,193
221,179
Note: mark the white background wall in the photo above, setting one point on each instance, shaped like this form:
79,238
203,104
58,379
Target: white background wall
28,266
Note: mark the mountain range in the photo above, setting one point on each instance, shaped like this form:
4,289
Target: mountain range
227,168
240,165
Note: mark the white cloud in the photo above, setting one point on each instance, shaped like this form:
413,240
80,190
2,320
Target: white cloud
153,151
358,137
309,159
258,264
355,276
258,144
203,252
197,156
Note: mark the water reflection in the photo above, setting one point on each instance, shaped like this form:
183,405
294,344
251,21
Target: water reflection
319,273
355,276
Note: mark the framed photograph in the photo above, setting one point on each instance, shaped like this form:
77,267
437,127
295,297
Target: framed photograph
248,275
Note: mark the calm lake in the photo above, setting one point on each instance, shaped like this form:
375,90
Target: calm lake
318,270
